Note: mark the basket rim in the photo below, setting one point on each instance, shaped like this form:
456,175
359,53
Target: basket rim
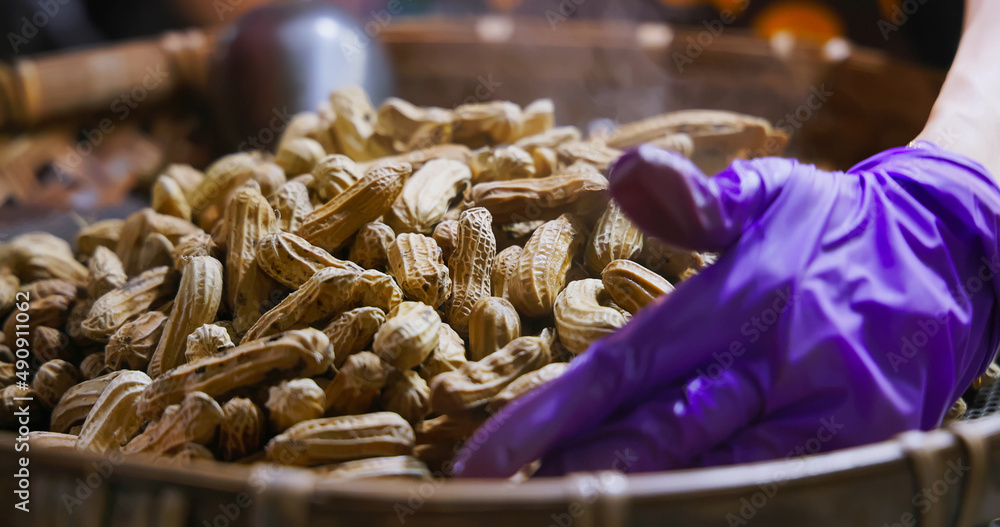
845,464
624,34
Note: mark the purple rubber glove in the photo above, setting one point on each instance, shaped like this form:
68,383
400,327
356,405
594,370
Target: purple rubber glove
846,308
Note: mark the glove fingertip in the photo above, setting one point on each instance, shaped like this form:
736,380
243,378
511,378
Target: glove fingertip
529,426
496,450
469,464
663,193
668,197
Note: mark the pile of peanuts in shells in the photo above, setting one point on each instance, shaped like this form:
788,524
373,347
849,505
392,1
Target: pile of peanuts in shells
357,303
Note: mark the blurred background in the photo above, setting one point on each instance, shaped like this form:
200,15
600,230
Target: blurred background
845,78
930,34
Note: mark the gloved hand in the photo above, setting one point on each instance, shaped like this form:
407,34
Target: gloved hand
846,308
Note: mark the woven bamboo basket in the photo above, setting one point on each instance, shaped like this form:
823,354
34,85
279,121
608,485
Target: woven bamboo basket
592,71
911,480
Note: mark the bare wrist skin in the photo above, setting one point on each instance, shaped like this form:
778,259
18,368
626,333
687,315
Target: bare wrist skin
966,117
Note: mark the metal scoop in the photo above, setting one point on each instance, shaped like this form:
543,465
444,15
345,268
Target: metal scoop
273,62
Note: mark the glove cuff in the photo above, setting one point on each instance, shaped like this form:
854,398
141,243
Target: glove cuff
958,190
